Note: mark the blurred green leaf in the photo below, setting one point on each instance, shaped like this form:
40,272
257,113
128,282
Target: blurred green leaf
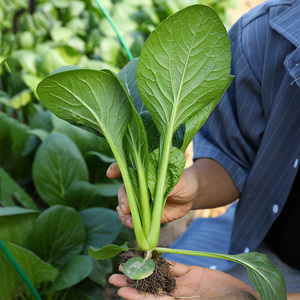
78,268
58,235
37,270
100,270
16,223
58,163
102,226
11,193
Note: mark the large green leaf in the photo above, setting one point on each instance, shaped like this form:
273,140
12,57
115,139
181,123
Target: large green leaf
89,97
128,77
58,163
36,269
183,66
265,277
98,100
102,226
58,235
78,268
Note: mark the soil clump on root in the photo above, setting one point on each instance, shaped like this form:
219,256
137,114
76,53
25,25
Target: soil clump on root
159,282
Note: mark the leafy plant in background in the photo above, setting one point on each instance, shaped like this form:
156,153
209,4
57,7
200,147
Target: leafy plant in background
36,38
148,115
48,228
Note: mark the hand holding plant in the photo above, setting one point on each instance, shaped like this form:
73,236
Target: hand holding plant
206,284
178,204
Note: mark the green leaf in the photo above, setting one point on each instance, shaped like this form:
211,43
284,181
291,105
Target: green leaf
51,60
89,97
85,291
183,66
138,268
128,77
95,99
108,251
101,156
102,226
78,268
265,277
58,163
27,59
69,54
16,224
81,195
10,191
196,121
85,140
100,270
58,235
21,99
109,189
31,81
175,167
15,134
36,269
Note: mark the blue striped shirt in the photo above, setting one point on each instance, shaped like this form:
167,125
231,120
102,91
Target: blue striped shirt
254,131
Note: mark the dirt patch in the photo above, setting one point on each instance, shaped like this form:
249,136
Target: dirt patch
160,282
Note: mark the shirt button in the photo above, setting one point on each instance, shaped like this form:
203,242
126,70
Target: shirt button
296,162
246,250
275,209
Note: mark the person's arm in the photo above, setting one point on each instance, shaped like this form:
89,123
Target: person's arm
206,184
293,296
215,187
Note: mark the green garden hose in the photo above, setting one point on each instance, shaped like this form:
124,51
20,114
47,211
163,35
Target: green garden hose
20,271
109,19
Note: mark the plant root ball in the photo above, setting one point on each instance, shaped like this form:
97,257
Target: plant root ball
159,282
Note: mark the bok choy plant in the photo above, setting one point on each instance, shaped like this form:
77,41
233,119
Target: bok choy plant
149,113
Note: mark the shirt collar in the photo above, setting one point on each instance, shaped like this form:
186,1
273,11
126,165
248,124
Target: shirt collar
287,23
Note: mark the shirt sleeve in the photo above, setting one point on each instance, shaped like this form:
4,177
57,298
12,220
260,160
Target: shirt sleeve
233,132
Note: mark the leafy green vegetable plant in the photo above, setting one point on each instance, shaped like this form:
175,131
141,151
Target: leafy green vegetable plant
149,114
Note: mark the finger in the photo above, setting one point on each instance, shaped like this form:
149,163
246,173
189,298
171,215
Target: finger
123,200
118,280
125,219
113,171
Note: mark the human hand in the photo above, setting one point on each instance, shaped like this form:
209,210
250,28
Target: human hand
178,204
192,283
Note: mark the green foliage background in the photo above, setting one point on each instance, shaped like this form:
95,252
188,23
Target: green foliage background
55,199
